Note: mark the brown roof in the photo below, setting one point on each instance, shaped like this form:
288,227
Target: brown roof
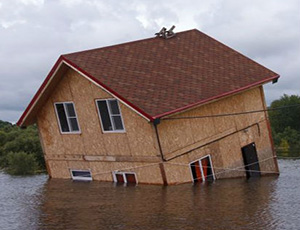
161,76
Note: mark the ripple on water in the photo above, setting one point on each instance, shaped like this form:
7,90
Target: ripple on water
264,203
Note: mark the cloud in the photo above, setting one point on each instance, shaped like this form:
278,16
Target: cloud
35,32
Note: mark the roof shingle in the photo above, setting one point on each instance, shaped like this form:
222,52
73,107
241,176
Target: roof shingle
163,75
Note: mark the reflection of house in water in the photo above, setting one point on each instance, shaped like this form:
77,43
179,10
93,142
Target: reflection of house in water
229,204
116,113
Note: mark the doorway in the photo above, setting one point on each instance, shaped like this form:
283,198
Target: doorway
251,160
202,169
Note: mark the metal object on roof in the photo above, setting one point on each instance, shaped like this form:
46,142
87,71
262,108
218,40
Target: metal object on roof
164,33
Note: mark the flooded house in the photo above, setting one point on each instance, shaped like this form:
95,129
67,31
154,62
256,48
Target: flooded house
174,108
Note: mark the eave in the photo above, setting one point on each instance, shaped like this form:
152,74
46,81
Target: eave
62,64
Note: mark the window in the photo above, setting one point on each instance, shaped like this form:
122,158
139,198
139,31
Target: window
83,175
67,117
110,115
202,170
125,177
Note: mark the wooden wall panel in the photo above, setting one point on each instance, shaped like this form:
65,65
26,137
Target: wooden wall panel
175,134
224,106
203,127
49,129
264,150
178,170
59,169
138,140
147,173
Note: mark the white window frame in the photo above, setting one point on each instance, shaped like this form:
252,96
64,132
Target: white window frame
201,168
58,121
80,178
110,116
124,176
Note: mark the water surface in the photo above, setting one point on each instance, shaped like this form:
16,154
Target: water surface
263,203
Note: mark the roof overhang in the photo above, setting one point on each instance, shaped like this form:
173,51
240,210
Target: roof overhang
272,79
55,75
62,65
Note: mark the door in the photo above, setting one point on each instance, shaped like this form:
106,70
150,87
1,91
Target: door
251,160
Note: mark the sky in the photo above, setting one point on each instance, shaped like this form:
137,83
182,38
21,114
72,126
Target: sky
34,33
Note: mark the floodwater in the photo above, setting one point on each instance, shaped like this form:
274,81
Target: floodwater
264,203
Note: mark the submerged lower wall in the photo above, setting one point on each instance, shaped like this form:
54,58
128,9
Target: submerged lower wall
226,155
224,150
148,173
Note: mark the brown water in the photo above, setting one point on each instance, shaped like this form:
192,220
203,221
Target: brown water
264,203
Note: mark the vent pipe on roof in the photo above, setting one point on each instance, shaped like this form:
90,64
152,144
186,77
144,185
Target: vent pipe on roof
164,33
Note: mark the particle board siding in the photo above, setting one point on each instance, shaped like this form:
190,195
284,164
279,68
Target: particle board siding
62,90
59,169
138,140
238,105
175,134
230,149
264,150
79,165
49,129
254,102
146,173
222,107
178,171
202,127
140,136
87,114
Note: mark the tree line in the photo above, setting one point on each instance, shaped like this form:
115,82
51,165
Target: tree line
285,124
21,152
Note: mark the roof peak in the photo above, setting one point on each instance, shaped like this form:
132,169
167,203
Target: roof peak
129,42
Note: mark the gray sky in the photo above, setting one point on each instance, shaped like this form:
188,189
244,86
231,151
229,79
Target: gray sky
33,33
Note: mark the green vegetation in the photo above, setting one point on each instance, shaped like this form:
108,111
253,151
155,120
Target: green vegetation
285,125
20,150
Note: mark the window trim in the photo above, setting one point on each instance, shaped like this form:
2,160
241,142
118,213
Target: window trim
201,168
110,115
58,121
124,176
79,178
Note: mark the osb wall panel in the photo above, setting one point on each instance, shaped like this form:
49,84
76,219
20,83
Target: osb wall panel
59,169
178,170
265,152
138,140
146,173
102,171
176,134
226,155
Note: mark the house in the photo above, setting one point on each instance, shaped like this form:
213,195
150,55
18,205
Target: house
164,110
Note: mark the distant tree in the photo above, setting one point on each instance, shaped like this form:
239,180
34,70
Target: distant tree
21,163
285,125
284,147
14,140
283,118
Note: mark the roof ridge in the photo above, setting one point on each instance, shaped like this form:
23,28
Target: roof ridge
124,43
